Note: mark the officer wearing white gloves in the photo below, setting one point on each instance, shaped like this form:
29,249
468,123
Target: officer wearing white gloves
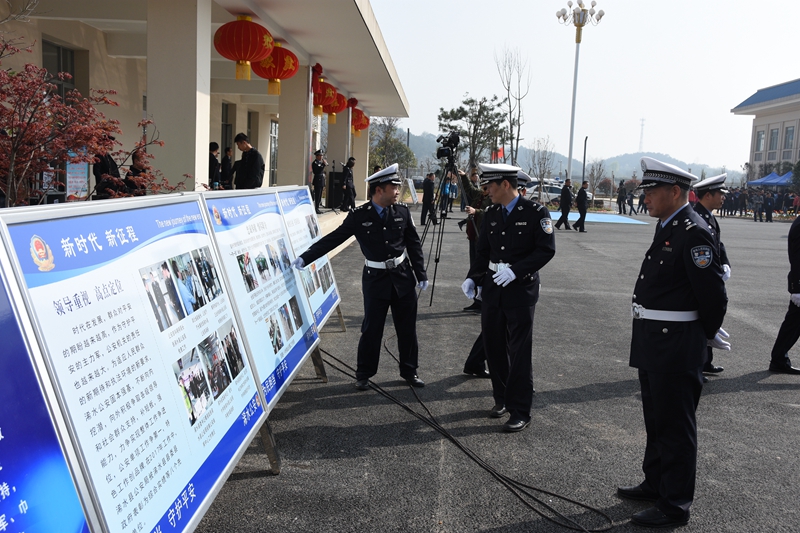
710,196
394,267
790,329
516,240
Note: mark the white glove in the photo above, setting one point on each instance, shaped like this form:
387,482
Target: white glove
796,299
423,285
719,343
478,296
724,334
468,288
726,272
504,277
298,263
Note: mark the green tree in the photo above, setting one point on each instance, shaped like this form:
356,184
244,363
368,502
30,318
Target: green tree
387,145
479,123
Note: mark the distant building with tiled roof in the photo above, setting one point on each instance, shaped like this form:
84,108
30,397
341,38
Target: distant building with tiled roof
776,112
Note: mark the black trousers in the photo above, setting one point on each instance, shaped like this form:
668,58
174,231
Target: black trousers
427,210
563,220
348,199
319,186
477,356
404,315
787,335
581,223
508,342
669,403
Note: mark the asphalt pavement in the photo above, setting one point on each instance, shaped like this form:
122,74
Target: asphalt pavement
355,461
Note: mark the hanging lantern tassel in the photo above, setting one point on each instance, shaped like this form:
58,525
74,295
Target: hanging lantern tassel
357,133
274,87
331,118
243,70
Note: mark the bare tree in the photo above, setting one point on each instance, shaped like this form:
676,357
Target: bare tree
19,10
542,156
516,80
597,173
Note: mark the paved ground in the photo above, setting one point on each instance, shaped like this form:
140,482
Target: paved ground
353,461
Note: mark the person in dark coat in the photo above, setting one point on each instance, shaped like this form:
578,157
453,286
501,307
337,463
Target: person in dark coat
214,174
348,186
622,196
678,305
394,267
515,242
565,203
318,177
103,167
427,200
250,172
582,202
789,332
134,186
226,170
712,194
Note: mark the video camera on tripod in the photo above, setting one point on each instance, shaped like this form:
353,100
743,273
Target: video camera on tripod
449,144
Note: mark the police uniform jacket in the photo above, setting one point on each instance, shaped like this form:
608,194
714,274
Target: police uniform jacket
347,179
566,198
794,257
582,201
681,271
525,241
427,192
379,242
318,170
713,227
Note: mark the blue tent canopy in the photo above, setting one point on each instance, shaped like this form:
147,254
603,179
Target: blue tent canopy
766,180
773,179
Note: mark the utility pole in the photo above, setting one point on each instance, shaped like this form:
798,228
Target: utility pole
641,138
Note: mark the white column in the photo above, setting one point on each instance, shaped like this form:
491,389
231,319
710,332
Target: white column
179,85
338,148
294,129
361,170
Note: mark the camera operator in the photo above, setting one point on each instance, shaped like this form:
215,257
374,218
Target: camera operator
515,242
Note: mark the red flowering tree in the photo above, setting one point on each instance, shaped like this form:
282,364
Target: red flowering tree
40,132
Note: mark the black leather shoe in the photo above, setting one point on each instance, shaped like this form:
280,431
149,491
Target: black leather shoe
705,379
414,381
711,369
319,212
636,493
362,384
478,373
652,517
583,231
575,228
783,368
516,424
497,411
475,306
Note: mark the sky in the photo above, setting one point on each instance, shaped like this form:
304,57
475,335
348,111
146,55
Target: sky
680,65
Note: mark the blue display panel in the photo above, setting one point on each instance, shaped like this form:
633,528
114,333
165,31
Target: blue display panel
317,278
256,254
32,465
145,352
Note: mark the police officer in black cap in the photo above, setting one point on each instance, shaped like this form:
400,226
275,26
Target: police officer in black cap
711,193
318,180
790,328
349,195
679,303
515,242
394,267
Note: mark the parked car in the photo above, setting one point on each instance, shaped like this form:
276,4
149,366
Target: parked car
418,181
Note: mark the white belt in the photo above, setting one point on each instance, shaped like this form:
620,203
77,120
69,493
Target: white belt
388,264
639,313
497,267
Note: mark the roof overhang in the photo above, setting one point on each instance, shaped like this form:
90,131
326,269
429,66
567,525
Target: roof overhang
772,107
341,35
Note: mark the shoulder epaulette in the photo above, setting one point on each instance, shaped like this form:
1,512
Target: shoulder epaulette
689,224
367,205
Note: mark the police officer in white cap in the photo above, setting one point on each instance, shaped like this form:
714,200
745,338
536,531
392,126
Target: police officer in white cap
710,196
679,303
394,267
318,177
516,240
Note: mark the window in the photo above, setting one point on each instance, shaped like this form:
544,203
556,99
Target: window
758,157
773,139
788,139
787,155
56,59
759,141
273,153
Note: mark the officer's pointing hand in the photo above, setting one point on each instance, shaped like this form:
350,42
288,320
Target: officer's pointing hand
468,288
298,263
504,277
796,299
719,343
726,272
423,285
478,296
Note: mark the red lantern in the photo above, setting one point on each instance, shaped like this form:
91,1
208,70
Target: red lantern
326,96
355,120
243,41
280,65
316,78
362,124
337,107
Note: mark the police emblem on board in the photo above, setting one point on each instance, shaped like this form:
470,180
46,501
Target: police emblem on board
547,225
41,254
701,255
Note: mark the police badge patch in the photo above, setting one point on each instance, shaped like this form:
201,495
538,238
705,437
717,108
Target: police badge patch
702,255
547,225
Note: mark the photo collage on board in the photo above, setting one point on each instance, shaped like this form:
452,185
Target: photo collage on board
180,285
313,227
284,322
315,279
263,263
203,373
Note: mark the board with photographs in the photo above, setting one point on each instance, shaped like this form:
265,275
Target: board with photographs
317,278
143,350
256,254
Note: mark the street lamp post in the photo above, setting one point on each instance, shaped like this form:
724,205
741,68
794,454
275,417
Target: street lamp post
579,17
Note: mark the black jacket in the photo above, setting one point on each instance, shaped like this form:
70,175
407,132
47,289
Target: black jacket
566,198
427,192
713,227
582,201
250,173
794,257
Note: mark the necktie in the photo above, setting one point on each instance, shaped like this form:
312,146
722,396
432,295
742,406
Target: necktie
383,215
505,214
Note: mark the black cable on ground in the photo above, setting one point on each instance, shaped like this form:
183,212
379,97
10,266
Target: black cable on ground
517,488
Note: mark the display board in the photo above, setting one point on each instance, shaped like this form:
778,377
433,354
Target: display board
33,468
253,242
317,278
143,350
